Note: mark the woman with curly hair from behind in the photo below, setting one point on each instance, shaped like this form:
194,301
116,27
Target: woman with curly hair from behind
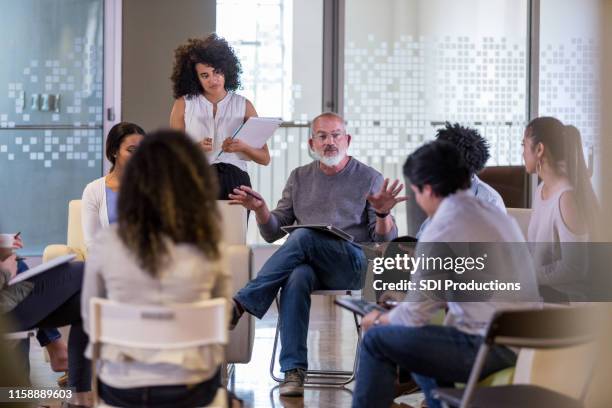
166,250
205,76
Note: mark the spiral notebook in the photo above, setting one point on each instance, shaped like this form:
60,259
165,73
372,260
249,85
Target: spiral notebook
44,267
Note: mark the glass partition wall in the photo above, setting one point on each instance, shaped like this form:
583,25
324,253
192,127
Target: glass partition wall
412,65
51,115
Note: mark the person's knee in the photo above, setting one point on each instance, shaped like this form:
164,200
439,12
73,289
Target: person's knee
301,278
371,341
302,236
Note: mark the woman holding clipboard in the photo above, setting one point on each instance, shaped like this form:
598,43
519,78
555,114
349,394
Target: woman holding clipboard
205,75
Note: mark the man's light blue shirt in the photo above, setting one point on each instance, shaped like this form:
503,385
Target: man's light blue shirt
480,190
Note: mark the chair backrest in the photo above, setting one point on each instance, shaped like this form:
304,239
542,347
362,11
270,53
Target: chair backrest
234,223
542,328
158,327
75,228
522,217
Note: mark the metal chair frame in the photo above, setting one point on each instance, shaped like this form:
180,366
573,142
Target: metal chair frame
329,378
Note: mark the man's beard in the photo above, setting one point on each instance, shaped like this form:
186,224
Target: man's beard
330,161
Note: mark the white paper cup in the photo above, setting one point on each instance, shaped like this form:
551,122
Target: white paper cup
7,240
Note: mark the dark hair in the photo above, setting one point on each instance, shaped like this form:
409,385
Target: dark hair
563,148
168,192
212,50
440,165
550,132
115,137
473,147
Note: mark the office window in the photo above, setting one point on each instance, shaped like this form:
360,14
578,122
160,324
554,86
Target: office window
279,43
412,65
569,74
50,113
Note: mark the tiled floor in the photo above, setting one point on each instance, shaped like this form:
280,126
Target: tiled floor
331,344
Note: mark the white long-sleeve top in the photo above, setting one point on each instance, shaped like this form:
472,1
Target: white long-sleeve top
94,214
463,218
187,276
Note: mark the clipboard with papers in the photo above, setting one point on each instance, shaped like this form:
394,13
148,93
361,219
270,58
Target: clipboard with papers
330,229
44,267
255,132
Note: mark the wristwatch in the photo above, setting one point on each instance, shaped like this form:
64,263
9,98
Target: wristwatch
381,215
377,320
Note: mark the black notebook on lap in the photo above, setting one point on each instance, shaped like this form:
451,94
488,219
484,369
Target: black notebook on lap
330,229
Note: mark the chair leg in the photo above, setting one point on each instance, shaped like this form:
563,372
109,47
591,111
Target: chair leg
276,334
319,377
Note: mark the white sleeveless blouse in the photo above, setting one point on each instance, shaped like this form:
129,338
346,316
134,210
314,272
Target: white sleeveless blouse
200,124
557,265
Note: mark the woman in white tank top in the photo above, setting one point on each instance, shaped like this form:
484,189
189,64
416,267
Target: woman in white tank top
205,75
564,207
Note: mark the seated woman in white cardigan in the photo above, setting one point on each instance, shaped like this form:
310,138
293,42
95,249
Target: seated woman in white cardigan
99,202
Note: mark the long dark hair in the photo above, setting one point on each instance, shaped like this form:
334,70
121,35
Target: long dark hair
168,193
563,148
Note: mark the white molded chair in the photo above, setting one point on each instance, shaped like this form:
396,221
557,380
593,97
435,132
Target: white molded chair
322,377
22,335
238,254
157,327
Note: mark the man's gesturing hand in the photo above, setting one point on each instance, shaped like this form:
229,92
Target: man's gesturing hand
386,198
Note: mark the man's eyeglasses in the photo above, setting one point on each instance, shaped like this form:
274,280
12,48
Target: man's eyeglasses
323,137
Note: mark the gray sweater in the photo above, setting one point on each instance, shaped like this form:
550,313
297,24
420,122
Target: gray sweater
312,197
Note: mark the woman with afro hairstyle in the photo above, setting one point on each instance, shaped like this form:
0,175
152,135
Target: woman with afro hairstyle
205,76
475,152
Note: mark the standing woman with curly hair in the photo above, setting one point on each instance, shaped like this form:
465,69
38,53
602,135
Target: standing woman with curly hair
205,76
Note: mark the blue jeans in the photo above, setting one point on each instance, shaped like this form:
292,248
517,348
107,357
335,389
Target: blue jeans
309,260
44,336
55,300
437,356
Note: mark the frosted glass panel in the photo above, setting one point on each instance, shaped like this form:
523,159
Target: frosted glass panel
50,115
569,61
412,65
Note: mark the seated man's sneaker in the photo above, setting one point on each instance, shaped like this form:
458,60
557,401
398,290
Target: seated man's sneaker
293,385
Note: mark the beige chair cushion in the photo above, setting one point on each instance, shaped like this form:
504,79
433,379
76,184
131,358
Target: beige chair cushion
234,223
522,217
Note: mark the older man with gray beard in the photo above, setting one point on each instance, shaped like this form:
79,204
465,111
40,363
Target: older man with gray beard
335,189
